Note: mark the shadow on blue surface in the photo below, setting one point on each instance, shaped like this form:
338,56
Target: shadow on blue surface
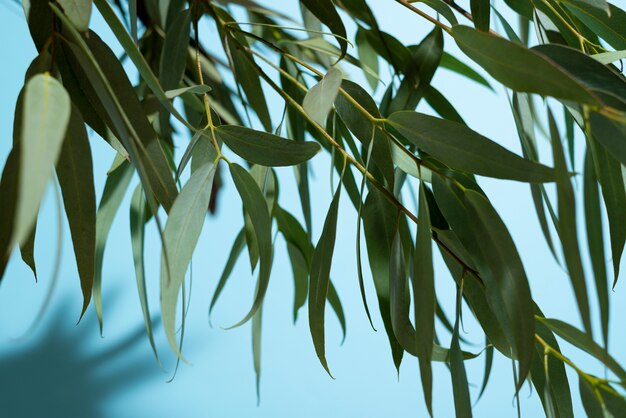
62,373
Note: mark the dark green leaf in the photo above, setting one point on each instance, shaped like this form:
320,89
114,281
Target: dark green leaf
379,223
138,218
452,63
174,54
255,206
520,68
235,252
567,225
595,240
424,296
75,174
609,26
266,149
325,11
320,279
460,386
462,148
584,342
480,12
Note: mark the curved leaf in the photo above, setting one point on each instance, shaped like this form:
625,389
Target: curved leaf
462,148
46,114
75,174
520,68
78,12
180,237
265,149
320,98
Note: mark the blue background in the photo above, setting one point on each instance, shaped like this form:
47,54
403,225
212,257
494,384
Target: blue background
63,369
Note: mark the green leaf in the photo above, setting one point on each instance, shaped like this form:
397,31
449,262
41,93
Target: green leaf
114,190
8,194
256,207
235,252
333,299
595,241
584,342
418,73
379,222
75,174
265,149
520,68
592,405
609,173
452,63
567,225
460,386
138,219
320,279
27,250
484,235
369,58
609,26
257,325
78,12
480,10
464,149
425,299
174,54
609,57
325,11
180,237
319,100
46,114
170,94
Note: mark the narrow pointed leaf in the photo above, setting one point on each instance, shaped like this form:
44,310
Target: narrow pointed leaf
480,12
462,148
320,279
235,252
75,174
424,297
325,11
180,237
46,114
266,149
114,190
567,226
256,207
520,68
595,241
138,218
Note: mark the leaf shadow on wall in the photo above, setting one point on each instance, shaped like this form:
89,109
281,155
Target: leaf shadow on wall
63,372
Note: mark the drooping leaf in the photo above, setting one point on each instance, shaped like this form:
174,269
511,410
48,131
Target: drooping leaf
320,279
460,385
174,54
424,296
609,26
180,237
368,56
595,241
78,12
325,11
320,98
462,148
138,218
266,149
235,252
114,190
584,342
256,207
452,63
567,225
481,13
75,174
45,117
170,94
493,252
379,220
520,68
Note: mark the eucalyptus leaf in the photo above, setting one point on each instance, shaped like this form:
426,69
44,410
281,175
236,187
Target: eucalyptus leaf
320,98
